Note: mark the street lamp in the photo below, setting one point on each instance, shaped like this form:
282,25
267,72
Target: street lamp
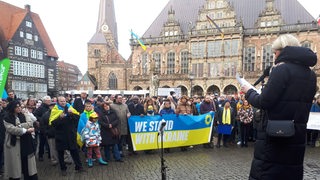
191,77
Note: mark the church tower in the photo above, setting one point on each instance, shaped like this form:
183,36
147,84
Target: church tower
105,64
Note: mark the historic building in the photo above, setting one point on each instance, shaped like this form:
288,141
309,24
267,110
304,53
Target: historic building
105,64
87,83
69,76
186,49
24,40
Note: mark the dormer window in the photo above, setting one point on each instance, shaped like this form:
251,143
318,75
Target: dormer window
29,36
29,24
21,34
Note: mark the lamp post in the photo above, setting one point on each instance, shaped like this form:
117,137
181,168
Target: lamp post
191,77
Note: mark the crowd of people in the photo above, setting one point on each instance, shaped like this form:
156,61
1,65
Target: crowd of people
52,126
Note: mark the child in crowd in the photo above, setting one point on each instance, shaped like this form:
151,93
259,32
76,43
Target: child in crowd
91,137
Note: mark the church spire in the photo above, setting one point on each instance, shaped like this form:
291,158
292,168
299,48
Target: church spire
107,19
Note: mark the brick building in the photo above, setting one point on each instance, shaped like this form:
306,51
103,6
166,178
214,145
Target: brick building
24,40
68,76
189,51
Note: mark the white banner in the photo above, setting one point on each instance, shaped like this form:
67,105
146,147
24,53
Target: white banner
314,121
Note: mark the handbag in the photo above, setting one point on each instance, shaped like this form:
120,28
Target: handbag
114,130
280,128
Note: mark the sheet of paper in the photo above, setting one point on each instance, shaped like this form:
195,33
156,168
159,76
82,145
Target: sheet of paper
242,82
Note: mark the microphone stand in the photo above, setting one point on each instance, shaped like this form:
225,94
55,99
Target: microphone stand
163,166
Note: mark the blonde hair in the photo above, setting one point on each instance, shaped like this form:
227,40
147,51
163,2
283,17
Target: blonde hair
285,40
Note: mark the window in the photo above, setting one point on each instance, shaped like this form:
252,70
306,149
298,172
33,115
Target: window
267,56
198,49
21,34
29,24
144,63
249,59
230,69
33,54
157,58
263,24
28,69
25,52
214,48
113,82
214,69
184,62
36,38
17,50
97,53
170,62
39,55
211,5
197,69
29,36
306,44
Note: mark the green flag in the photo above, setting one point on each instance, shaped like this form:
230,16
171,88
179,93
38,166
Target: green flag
4,70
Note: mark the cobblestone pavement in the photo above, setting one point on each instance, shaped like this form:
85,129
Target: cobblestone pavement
196,163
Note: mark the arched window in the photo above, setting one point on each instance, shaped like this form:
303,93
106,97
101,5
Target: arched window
249,58
113,81
267,56
170,62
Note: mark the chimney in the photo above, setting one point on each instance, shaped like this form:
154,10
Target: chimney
27,7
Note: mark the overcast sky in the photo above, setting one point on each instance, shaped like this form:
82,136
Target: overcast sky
71,23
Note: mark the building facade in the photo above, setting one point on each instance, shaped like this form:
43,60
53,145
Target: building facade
26,43
198,56
69,76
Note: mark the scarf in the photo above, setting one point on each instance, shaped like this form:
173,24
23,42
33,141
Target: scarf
226,116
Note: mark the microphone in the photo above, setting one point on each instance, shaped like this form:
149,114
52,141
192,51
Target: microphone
161,126
266,73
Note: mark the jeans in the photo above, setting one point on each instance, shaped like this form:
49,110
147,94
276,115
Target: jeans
115,151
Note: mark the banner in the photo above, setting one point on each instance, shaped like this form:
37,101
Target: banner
314,121
180,130
4,70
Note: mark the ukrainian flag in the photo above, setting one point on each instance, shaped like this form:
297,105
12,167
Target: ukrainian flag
81,124
139,40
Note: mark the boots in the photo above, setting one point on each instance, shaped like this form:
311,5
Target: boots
102,162
90,164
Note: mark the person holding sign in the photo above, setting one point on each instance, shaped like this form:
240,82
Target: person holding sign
225,119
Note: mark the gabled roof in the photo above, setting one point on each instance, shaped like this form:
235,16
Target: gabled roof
12,17
186,12
98,38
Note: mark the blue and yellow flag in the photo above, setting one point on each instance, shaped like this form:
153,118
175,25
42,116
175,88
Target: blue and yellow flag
81,124
215,25
182,130
57,110
139,40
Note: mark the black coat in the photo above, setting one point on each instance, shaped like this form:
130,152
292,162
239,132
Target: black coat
136,110
39,112
66,132
105,119
44,124
219,113
287,95
78,105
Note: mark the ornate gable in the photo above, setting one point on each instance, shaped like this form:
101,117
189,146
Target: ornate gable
171,27
270,18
